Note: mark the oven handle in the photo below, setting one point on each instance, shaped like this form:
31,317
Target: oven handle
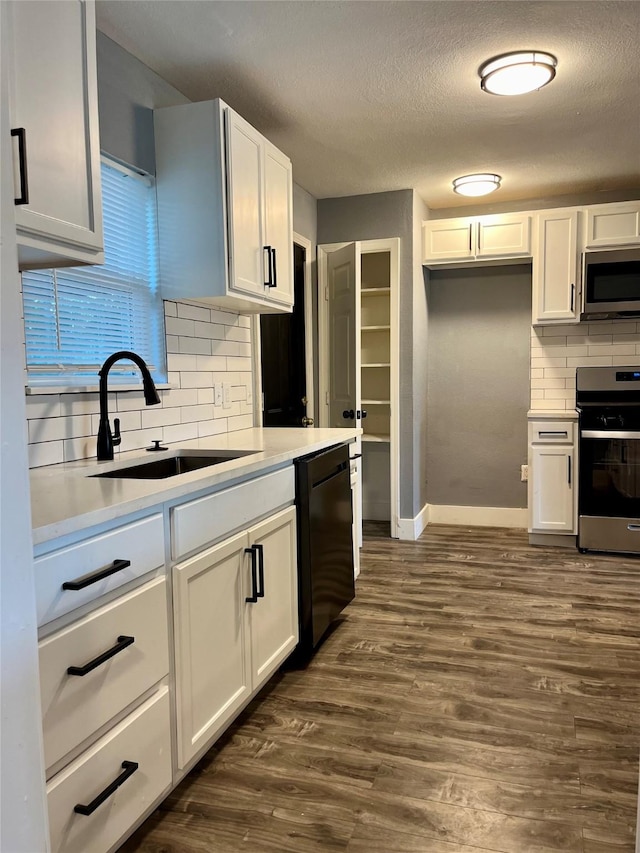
633,527
609,433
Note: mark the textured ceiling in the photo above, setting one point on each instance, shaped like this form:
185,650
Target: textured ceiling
375,96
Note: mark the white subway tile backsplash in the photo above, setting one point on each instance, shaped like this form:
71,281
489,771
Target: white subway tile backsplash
556,352
193,312
179,362
203,345
180,397
47,453
180,432
179,326
198,346
196,413
212,363
155,417
43,406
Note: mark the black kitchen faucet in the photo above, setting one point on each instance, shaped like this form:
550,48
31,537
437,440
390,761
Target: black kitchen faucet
107,441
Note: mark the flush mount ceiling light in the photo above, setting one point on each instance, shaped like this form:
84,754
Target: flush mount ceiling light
476,184
517,73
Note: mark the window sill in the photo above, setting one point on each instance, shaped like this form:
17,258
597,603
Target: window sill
90,389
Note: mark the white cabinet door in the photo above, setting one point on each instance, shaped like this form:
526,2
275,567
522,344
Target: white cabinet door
213,675
278,222
613,225
245,186
448,240
556,297
552,489
504,237
273,618
224,196
54,98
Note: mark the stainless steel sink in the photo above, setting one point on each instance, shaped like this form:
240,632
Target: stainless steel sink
171,466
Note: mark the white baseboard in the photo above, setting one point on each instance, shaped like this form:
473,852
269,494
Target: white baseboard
410,529
478,516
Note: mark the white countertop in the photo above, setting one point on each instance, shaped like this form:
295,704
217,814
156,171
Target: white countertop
67,498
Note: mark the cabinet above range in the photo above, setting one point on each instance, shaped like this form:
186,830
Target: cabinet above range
225,210
475,238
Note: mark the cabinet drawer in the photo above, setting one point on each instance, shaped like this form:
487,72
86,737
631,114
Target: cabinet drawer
143,737
140,543
215,516
552,432
75,706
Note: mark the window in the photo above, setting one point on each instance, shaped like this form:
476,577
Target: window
75,317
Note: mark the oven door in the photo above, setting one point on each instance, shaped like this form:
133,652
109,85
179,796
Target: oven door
609,490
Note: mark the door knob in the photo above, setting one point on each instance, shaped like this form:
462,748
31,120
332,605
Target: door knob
361,414
348,413
307,421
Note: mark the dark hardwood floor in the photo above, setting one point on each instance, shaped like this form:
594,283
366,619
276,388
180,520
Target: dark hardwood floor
479,695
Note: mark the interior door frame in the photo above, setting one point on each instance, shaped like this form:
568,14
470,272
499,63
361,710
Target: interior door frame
391,245
256,344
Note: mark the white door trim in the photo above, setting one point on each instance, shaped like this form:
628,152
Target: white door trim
308,338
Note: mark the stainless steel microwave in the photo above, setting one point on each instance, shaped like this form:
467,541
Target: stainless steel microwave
611,284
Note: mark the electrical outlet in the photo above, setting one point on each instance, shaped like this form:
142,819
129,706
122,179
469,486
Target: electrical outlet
217,394
249,395
524,473
226,395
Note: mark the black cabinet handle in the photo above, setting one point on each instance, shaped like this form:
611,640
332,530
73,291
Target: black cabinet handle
260,550
573,296
129,768
269,282
569,470
123,642
348,413
275,269
94,577
251,599
361,414
21,133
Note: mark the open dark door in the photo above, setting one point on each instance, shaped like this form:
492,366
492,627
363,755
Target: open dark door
283,358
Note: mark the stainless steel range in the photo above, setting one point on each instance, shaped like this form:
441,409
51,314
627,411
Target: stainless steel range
608,402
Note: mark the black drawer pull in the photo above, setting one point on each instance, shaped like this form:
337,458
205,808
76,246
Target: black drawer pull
94,577
21,133
129,768
269,282
251,599
123,642
260,550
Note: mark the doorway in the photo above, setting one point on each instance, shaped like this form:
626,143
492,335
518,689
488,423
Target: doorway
286,362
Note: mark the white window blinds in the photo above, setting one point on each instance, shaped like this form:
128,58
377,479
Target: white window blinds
75,317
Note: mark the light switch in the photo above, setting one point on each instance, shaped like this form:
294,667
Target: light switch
217,394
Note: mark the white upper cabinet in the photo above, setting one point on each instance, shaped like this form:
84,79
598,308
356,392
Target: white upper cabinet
613,225
449,241
54,127
556,292
224,210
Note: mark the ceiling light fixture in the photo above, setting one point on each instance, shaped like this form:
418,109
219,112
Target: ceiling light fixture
517,73
476,184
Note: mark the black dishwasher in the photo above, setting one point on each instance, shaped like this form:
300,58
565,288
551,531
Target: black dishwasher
325,546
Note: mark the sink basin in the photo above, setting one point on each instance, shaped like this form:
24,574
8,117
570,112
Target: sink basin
171,466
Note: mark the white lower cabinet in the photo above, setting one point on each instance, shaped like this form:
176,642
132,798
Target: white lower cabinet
552,478
235,621
88,811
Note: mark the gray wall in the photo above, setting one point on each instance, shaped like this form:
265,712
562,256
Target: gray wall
305,215
128,92
371,217
420,342
478,385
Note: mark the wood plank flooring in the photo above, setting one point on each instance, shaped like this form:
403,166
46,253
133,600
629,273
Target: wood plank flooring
480,694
